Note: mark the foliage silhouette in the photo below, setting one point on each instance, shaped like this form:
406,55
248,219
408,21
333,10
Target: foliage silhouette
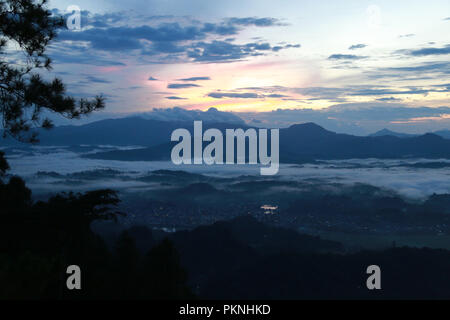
40,240
24,94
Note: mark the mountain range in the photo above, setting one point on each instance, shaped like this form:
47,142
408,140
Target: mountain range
308,142
386,132
298,143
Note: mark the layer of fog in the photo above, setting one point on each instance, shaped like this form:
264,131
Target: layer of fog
396,175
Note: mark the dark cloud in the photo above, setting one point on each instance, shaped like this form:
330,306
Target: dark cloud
430,51
254,21
195,79
357,46
171,41
409,35
175,98
425,71
82,56
152,79
245,95
181,85
381,92
220,29
96,79
448,19
93,20
340,94
439,67
224,51
327,93
287,46
129,38
444,85
164,47
392,99
345,57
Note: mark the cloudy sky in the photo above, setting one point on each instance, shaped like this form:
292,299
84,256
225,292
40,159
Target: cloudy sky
352,66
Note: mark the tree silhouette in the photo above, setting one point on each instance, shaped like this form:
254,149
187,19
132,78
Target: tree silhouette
38,240
24,95
4,166
164,277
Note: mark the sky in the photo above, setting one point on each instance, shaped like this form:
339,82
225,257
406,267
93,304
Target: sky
351,66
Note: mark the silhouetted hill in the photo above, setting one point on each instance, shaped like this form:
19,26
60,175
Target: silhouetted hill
129,131
312,141
309,130
443,133
387,132
329,276
211,250
309,142
268,239
298,143
246,259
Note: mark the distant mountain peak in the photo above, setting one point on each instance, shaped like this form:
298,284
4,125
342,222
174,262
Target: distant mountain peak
443,133
309,128
430,136
387,132
308,125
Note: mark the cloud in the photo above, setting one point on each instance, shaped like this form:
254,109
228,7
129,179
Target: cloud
339,94
443,85
246,95
345,57
440,67
81,56
178,39
254,21
357,46
181,85
276,95
287,46
152,79
328,93
179,114
226,51
357,118
431,51
448,18
223,51
388,99
220,29
166,39
130,38
89,19
409,35
378,92
433,70
96,79
195,79
175,98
